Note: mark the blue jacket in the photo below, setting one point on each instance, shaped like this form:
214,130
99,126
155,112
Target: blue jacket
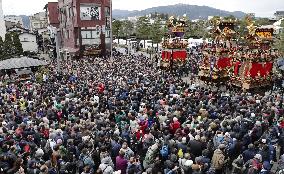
248,154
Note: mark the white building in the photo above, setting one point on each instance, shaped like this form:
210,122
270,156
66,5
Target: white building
14,20
2,22
276,26
38,21
133,19
279,15
210,17
29,42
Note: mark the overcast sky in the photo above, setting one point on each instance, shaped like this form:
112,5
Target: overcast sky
262,8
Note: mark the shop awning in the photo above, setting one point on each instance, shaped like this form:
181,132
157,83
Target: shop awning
22,62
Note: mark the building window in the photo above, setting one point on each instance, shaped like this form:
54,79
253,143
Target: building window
68,34
86,34
90,12
67,12
107,11
70,12
62,33
107,33
90,34
107,22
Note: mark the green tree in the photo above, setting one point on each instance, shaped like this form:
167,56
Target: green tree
241,28
8,46
156,32
117,29
1,49
279,44
197,29
143,28
127,29
262,21
17,45
230,17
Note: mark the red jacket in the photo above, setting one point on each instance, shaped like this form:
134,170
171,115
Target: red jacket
281,124
174,126
101,88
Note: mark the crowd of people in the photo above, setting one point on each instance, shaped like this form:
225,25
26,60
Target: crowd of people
124,115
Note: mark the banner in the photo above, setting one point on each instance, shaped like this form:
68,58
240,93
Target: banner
181,55
262,68
224,63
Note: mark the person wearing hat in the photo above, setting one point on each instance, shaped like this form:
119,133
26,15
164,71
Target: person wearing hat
218,160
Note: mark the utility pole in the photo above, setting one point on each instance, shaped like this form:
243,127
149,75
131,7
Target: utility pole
111,37
57,51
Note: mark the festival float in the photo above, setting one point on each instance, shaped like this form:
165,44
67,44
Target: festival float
174,46
253,62
218,56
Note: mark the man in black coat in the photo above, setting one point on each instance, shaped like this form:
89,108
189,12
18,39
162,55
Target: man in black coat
195,146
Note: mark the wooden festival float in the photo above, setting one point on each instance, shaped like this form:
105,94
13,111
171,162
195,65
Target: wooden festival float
218,56
253,62
174,54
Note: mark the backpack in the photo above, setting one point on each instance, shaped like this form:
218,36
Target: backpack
164,151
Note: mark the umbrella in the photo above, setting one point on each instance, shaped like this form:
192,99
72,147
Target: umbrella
22,62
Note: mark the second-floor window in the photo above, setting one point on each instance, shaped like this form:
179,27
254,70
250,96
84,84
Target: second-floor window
107,11
90,12
70,12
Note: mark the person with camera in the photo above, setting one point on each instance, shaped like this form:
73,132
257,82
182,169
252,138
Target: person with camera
134,166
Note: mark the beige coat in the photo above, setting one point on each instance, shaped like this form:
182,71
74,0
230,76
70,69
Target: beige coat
218,159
